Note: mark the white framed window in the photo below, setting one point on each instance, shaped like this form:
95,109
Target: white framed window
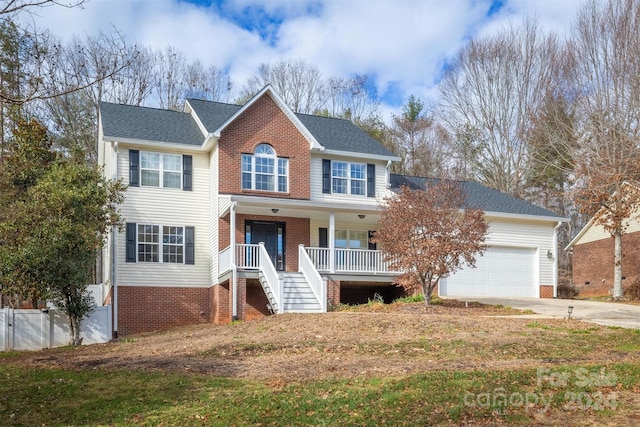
160,170
352,239
264,171
348,178
151,243
148,243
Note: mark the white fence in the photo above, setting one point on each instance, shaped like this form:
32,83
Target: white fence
26,329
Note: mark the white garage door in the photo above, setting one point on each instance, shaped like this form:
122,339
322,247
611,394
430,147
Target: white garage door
500,272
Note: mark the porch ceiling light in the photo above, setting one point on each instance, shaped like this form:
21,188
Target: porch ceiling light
275,210
361,216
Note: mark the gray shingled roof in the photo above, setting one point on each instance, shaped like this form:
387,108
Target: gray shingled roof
333,134
151,124
213,114
342,135
478,196
127,121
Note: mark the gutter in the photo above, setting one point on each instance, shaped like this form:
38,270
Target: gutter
555,256
114,255
234,268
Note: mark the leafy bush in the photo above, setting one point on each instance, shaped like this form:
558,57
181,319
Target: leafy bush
633,291
411,298
568,291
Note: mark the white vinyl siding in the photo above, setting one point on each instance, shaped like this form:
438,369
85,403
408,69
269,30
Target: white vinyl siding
148,205
214,209
316,183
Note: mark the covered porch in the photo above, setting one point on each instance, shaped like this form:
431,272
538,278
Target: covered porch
282,242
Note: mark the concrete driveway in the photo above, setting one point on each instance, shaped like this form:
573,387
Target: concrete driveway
603,313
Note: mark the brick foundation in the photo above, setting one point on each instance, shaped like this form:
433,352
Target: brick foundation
256,301
546,291
593,265
148,308
333,293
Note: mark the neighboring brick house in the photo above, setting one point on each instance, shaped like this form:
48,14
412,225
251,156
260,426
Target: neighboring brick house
242,211
593,259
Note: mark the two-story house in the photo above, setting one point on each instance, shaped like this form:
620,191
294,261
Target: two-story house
235,212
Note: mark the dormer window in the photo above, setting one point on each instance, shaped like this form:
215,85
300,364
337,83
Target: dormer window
264,171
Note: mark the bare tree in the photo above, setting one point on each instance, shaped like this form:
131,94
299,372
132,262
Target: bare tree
300,84
606,53
488,96
430,234
420,141
210,84
72,115
170,71
12,7
350,98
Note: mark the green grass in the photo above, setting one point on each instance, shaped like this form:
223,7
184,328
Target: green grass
411,298
93,397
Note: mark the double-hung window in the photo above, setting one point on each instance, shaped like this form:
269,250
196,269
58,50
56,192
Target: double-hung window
348,178
159,243
160,170
150,169
264,171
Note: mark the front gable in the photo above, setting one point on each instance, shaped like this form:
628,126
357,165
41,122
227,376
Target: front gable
264,122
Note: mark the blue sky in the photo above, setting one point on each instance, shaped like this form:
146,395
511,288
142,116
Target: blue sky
403,44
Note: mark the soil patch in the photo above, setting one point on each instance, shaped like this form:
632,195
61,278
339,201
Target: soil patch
364,341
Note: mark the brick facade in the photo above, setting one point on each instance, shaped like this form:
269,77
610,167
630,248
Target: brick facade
546,291
593,265
296,233
148,308
264,122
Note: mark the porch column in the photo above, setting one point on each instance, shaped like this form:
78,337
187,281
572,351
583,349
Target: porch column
234,268
332,242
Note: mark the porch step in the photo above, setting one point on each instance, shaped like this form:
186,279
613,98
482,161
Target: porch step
298,296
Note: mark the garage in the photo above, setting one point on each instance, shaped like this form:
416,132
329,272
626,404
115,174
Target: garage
500,272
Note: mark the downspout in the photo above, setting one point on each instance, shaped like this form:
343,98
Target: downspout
388,174
114,255
234,268
555,257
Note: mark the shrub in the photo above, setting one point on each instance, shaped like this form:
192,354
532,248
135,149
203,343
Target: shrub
633,291
568,291
411,298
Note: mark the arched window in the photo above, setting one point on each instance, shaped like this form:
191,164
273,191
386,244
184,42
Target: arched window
264,171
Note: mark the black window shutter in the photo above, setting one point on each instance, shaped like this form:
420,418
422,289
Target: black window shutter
131,242
371,180
372,246
326,176
134,168
189,245
324,242
187,166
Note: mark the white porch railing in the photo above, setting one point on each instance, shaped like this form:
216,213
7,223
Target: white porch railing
346,260
350,260
224,260
316,282
248,256
270,276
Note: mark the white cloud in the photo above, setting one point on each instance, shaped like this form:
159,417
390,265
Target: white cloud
403,43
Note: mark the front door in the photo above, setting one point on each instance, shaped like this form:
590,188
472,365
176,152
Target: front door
272,235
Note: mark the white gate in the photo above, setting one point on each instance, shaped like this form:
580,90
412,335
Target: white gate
26,329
